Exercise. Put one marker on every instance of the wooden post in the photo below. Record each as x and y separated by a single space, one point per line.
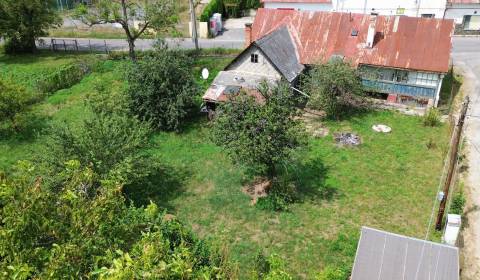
64 45
89 45
76 45
193 19
452 162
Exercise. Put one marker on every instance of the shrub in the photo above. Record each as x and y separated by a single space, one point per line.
14 100
214 6
331 273
458 203
64 77
432 117
334 87
162 88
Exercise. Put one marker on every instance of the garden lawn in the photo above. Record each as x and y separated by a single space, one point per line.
389 182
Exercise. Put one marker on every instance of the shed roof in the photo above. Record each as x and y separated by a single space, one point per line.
279 48
386 256
400 42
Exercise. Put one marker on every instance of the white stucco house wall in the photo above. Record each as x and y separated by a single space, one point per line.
414 8
465 13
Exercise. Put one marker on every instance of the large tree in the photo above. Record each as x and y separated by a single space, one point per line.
162 88
334 87
260 135
24 21
135 16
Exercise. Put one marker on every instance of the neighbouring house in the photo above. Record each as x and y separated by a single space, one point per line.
466 14
402 58
299 5
387 256
413 8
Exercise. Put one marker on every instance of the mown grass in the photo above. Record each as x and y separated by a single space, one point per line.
389 182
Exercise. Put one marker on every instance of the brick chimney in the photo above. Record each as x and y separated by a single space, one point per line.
248 34
371 31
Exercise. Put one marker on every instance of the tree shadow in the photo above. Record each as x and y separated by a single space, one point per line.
311 181
164 184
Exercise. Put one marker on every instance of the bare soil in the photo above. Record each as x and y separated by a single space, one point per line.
259 188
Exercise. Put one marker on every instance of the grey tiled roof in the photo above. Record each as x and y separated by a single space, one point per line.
386 256
281 51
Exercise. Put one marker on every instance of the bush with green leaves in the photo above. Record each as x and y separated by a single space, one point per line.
64 77
162 89
458 203
108 140
334 87
14 101
431 117
214 6
24 21
282 193
260 135
82 228
270 268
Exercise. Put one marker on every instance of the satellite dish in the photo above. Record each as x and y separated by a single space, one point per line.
205 73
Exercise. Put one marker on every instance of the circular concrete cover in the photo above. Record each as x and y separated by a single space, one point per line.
382 128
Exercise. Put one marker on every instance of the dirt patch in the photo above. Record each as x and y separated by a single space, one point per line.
313 123
259 188
168 217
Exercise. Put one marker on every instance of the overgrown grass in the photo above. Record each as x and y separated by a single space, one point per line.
389 182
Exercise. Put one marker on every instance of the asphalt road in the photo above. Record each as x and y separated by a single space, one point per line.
466 58
231 39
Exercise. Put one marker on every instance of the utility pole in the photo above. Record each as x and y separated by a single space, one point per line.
193 19
457 133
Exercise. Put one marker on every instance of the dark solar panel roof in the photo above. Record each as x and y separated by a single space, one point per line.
281 51
386 256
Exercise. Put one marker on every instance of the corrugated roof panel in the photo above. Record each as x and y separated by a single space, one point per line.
386 256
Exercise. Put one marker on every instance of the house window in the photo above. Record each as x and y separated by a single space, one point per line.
424 79
254 58
428 15
471 22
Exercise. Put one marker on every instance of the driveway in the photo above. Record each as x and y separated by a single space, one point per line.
466 57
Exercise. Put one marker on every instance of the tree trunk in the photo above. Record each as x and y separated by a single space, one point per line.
131 49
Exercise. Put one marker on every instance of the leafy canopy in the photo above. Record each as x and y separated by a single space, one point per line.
135 16
109 140
84 229
334 87
260 135
24 21
162 88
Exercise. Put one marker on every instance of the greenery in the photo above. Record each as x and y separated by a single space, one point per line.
162 88
155 15
214 6
64 77
260 136
14 100
431 117
24 21
81 229
458 203
334 87
338 189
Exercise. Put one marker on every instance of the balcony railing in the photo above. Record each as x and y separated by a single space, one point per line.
402 89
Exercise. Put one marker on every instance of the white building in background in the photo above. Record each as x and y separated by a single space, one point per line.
464 12
413 8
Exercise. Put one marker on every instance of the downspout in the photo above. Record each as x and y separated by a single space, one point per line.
365 7
418 7
437 97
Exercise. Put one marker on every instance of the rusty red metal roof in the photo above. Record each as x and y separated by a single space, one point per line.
298 1
400 42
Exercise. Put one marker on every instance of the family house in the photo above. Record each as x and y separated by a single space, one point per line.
412 8
402 58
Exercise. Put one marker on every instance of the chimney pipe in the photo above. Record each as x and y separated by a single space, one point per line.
248 34
371 31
